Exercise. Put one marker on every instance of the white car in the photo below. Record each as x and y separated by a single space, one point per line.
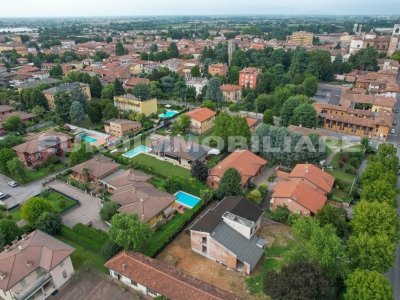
392 131
13 184
2 195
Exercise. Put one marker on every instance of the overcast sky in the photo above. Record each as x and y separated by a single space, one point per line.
55 8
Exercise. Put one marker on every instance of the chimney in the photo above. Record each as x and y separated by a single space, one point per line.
28 263
15 242
3 275
124 267
7 248
23 236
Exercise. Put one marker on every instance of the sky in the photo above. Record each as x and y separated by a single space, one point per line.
61 8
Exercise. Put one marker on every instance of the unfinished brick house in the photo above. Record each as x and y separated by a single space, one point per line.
226 234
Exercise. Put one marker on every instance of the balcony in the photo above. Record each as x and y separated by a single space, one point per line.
39 289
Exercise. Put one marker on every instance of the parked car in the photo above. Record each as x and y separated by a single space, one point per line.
13 184
394 122
396 110
2 195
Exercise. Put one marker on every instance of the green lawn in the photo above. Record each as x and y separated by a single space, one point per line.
271 261
84 257
32 175
163 168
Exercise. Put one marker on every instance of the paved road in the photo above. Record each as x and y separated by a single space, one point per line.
394 274
89 208
21 193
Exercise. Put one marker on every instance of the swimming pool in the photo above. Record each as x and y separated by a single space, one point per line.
136 151
186 199
168 114
88 139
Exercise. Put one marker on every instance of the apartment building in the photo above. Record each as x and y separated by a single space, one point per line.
231 92
129 102
67 88
121 127
218 70
248 78
301 38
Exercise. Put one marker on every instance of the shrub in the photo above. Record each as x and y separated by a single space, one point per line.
281 214
109 249
254 196
32 209
108 211
263 188
271 178
49 222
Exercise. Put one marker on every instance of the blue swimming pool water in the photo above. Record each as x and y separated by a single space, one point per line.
168 114
136 151
186 199
88 139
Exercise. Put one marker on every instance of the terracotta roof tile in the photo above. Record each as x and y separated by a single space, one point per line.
201 114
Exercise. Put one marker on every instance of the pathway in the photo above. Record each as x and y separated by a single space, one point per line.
87 212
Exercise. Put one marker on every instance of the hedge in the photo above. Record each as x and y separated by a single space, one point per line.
167 232
92 240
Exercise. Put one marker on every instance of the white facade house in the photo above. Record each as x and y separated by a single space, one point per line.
34 267
198 84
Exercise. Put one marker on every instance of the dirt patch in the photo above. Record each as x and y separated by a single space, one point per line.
276 234
178 254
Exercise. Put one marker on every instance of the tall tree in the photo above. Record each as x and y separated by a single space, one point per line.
230 184
335 216
305 115
56 71
129 232
110 112
375 218
34 207
95 111
118 88
95 87
8 232
371 252
301 280
364 284
119 49
76 113
62 102
319 245
213 90
142 91
199 170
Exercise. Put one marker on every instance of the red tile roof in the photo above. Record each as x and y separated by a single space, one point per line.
230 88
301 193
163 279
245 162
201 114
314 175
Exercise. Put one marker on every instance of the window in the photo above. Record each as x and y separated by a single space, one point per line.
64 274
151 292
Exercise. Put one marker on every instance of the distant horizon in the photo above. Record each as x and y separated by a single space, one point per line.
153 8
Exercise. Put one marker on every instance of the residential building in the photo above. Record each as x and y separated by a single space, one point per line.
179 151
67 88
303 191
352 121
36 151
253 123
248 78
301 38
129 102
197 83
5 110
218 70
248 164
134 81
155 279
231 92
94 169
120 127
34 267
201 120
226 233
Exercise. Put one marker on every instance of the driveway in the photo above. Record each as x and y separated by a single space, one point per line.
89 208
92 285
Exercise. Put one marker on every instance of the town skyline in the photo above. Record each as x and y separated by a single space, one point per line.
102 8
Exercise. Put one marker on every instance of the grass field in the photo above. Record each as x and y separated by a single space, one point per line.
84 257
161 167
32 175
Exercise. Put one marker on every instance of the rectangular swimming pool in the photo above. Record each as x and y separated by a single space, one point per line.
88 139
186 199
137 151
168 114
